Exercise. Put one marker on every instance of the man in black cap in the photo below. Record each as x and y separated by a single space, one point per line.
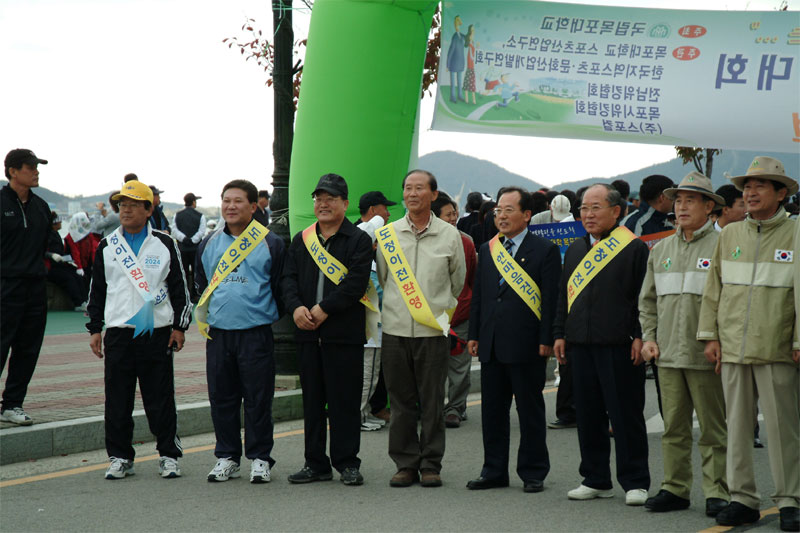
189 227
261 214
24 228
158 220
373 206
324 277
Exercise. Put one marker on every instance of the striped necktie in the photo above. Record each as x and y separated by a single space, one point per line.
508 244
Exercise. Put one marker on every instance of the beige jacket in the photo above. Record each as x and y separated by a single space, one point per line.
748 301
437 259
669 302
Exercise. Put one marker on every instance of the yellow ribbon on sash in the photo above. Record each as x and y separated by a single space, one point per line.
333 269
516 277
232 258
401 273
595 260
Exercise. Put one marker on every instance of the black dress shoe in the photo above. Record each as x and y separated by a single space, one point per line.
533 486
562 424
714 506
482 483
307 475
790 519
736 514
665 501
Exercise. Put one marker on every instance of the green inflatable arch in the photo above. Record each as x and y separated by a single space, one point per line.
361 88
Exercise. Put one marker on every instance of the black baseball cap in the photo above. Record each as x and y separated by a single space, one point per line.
333 184
19 156
156 190
190 198
368 199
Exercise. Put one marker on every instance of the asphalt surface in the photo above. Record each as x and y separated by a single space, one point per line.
70 494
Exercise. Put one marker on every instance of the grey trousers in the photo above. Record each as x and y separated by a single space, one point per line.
458 381
415 370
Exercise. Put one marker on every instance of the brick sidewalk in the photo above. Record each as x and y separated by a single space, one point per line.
68 382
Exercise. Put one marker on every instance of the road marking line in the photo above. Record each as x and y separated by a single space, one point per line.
196 449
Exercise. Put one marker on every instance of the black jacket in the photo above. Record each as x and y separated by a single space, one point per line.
24 232
499 318
347 320
158 220
607 311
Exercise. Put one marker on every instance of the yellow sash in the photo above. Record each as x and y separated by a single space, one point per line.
232 258
333 269
400 272
515 276
595 260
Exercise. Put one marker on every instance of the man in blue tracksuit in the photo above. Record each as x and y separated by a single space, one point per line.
240 353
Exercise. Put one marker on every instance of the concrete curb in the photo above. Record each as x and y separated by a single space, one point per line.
74 436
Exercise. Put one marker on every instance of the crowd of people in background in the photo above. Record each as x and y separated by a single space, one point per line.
389 315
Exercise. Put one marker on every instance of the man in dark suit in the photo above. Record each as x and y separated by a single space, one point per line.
513 342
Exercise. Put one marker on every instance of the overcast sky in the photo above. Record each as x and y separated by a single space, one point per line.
106 87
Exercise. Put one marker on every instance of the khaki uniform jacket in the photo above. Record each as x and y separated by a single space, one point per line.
437 259
669 303
748 301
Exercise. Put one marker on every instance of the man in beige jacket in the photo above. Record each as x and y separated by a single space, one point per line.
747 319
669 306
414 353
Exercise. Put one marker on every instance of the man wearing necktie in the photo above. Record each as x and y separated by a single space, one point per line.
513 344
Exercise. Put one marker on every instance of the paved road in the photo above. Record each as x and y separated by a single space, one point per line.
70 494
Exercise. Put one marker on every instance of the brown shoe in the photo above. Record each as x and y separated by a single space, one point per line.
405 477
452 420
430 478
383 414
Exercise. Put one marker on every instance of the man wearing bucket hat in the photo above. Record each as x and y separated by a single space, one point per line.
24 228
746 320
669 305
139 294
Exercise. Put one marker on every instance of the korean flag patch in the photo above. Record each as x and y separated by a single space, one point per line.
783 256
703 264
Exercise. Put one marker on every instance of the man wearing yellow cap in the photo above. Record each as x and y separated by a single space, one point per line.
747 320
139 293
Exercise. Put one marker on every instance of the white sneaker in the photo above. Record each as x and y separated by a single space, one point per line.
82 307
369 426
587 493
259 472
119 468
375 420
635 497
168 467
224 470
16 416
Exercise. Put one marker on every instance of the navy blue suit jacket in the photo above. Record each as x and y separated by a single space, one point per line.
499 318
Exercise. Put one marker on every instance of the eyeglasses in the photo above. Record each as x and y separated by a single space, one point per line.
594 209
326 199
504 211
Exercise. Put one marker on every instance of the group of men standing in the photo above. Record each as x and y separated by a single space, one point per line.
611 306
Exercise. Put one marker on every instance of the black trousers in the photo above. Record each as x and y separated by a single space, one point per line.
608 386
66 278
380 398
240 365
332 374
565 403
148 359
524 382
23 316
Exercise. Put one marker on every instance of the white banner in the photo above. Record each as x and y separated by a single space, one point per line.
718 79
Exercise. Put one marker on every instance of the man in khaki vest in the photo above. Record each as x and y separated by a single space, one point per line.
747 318
669 305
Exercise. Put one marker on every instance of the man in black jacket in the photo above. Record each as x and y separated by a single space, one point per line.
324 302
189 227
600 336
24 227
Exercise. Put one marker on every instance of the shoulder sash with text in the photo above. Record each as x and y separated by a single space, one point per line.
595 260
516 277
400 272
236 253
